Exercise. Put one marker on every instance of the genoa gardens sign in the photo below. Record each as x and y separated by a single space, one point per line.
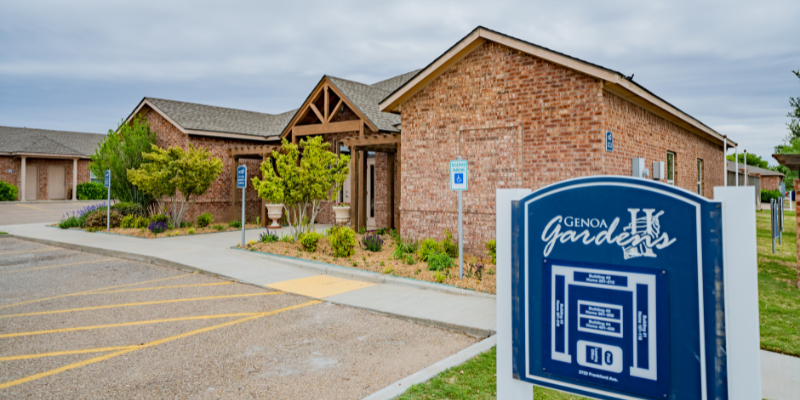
618 290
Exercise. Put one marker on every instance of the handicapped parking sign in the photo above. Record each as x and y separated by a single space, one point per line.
241 177
458 175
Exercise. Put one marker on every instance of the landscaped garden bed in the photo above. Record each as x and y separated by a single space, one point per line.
386 253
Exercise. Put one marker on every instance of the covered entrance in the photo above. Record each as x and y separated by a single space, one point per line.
261 153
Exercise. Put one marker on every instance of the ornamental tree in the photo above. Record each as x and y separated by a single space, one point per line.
306 186
176 178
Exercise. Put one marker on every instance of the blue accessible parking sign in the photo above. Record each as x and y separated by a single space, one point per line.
241 177
615 298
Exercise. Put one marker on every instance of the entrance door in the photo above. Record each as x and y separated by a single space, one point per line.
56 182
31 182
371 192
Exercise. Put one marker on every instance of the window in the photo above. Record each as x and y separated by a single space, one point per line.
93 178
699 176
670 168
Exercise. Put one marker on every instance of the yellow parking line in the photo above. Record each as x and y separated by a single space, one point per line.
155 321
54 266
144 303
91 290
35 208
146 345
66 353
319 286
27 251
159 287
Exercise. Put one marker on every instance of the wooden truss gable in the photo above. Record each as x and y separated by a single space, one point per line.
326 110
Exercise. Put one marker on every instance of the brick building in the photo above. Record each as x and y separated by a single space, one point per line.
45 164
520 114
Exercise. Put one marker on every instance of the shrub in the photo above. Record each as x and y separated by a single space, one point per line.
141 223
767 195
69 222
382 231
387 270
97 219
403 247
128 221
492 247
428 247
449 245
409 259
157 227
187 224
126 208
440 277
343 241
477 270
235 224
219 227
287 239
91 191
439 261
204 220
372 243
268 237
309 241
8 192
190 231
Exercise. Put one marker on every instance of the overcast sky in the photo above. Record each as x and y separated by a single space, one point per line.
85 65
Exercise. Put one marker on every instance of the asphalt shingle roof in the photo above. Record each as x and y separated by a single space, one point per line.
15 140
220 119
753 169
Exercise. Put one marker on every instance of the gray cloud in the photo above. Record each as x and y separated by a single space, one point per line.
84 65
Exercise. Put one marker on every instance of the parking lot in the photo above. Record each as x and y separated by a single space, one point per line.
78 325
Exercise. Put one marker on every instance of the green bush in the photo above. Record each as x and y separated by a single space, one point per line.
767 195
91 191
428 247
440 277
235 224
8 192
187 224
309 241
70 222
492 247
126 208
402 247
219 227
439 261
97 219
128 221
159 218
287 239
343 241
141 223
449 244
204 220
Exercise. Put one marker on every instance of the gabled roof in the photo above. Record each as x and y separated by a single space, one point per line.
24 141
201 119
753 169
615 82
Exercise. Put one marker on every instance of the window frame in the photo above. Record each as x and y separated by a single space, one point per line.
670 168
700 175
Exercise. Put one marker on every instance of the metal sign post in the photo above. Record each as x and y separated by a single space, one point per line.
624 299
107 183
241 182
459 176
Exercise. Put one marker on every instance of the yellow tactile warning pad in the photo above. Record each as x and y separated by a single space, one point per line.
319 286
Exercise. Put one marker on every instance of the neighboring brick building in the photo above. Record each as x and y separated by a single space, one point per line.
45 164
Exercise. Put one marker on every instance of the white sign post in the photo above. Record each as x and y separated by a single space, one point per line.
241 182
459 176
107 182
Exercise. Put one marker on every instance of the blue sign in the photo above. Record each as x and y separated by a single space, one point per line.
241 177
609 141
615 299
107 178
459 174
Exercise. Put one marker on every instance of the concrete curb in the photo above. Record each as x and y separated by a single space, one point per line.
398 388
367 276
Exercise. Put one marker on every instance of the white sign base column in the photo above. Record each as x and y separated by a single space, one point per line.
508 388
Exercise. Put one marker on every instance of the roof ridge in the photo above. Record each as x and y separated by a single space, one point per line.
360 83
208 105
49 130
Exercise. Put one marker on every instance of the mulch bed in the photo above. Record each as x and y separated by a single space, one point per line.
147 234
371 261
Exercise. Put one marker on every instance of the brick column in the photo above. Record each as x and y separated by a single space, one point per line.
797 226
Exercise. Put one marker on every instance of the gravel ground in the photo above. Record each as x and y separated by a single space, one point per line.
318 351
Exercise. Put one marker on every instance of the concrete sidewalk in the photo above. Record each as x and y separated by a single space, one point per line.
424 302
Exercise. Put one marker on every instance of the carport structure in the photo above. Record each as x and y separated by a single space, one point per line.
255 152
792 161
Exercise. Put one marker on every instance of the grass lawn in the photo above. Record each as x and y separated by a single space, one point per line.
778 302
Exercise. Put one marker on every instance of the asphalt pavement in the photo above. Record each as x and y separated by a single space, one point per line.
79 325
15 212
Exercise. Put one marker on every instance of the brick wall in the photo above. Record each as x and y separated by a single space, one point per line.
640 133
771 182
524 122
14 164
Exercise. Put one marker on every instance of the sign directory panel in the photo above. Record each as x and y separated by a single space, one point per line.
615 298
107 178
609 141
241 177
459 175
